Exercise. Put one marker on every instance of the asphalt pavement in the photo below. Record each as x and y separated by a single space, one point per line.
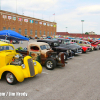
78 80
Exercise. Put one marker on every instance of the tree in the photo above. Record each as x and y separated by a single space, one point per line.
87 33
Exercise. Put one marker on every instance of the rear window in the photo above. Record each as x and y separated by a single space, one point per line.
34 48
80 42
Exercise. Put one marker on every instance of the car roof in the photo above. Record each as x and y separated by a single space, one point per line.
4 43
39 43
62 39
49 40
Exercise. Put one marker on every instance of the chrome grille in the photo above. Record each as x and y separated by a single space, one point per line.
69 51
31 67
77 50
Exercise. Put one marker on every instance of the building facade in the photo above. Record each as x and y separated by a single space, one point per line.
77 35
26 26
91 33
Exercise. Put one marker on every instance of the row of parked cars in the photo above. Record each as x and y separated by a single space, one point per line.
16 65
55 52
10 41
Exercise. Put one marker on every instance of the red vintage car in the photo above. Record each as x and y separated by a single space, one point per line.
96 44
84 48
93 44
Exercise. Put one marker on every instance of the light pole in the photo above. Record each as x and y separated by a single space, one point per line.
0 4
66 29
82 27
16 6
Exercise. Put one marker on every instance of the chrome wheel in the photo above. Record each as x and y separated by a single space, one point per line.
9 77
49 64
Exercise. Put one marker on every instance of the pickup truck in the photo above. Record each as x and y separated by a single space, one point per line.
42 53
54 44
14 67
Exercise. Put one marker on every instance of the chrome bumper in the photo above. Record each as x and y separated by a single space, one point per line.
78 52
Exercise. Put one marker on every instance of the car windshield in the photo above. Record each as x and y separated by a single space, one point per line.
47 46
6 48
67 42
75 43
88 42
43 47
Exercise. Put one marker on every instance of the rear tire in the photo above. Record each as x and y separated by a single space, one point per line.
50 64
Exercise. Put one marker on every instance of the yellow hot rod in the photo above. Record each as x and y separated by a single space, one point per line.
14 67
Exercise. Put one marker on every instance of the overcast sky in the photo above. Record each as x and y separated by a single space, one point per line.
68 13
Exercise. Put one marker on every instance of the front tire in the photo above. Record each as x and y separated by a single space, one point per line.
83 51
10 78
50 64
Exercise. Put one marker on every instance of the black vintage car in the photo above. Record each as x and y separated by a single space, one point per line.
75 48
54 44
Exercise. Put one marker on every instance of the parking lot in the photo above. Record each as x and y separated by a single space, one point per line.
78 80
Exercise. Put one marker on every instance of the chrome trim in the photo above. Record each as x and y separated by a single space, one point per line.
31 67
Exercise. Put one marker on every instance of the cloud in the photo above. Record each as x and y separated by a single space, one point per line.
28 5
92 9
68 13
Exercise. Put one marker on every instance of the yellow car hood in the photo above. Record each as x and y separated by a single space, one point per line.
7 56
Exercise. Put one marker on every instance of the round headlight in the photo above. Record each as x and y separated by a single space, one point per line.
34 63
23 66
67 51
56 56
59 59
